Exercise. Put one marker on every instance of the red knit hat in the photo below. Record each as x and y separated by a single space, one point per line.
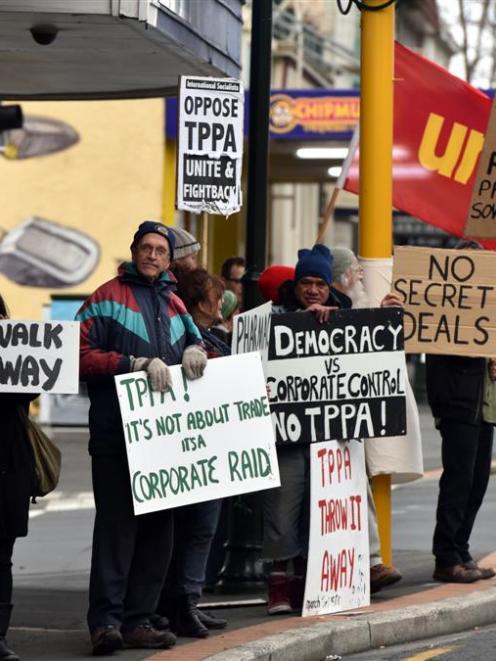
272 278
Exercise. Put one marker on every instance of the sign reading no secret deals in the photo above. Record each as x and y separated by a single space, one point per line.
210 145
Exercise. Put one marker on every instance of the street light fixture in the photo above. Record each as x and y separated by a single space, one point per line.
321 152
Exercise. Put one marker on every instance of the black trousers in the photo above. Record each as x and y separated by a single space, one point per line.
466 457
131 554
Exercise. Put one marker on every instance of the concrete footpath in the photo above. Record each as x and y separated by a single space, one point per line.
416 610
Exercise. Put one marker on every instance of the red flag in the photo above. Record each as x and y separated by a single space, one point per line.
439 127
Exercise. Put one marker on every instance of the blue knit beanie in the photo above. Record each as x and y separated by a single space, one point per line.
316 262
154 227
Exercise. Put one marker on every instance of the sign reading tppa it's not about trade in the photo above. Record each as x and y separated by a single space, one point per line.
449 298
210 145
199 440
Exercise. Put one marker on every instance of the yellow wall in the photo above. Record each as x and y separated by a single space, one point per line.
104 185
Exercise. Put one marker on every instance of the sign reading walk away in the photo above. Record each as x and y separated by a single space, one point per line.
39 357
210 145
450 300
199 440
338 574
337 380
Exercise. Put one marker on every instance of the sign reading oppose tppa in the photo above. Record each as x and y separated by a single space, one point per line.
338 380
199 440
210 145
450 300
39 357
338 575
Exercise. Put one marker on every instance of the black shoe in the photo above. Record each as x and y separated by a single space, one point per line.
160 622
105 640
210 621
6 654
188 622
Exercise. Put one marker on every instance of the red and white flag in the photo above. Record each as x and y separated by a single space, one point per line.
439 126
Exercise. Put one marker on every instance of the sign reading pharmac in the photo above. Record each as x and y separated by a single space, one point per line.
39 357
199 440
210 149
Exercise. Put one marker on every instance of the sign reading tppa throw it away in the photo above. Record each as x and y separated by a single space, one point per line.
199 440
449 297
39 357
338 574
341 379
210 145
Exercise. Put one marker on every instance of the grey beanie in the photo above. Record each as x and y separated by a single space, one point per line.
186 244
343 259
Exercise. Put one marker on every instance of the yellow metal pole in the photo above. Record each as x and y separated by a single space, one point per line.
169 182
375 201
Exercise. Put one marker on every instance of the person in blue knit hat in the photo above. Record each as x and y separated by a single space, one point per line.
286 510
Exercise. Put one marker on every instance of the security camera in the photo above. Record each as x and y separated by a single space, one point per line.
44 34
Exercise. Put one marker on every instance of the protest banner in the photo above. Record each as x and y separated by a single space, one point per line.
210 145
338 571
449 298
39 356
337 380
481 218
251 331
199 440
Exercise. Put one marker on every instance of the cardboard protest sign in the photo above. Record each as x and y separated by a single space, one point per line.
251 331
338 573
39 357
199 440
210 145
450 300
341 379
481 218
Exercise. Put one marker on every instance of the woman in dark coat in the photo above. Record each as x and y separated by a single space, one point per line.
16 488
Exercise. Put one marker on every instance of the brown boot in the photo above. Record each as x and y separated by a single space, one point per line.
144 636
456 574
383 575
278 598
486 572
105 640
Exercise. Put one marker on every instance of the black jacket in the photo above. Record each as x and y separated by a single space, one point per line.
16 467
455 387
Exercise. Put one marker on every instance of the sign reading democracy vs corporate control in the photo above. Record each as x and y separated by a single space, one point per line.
199 440
338 380
210 145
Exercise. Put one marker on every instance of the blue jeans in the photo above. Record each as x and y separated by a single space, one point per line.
194 530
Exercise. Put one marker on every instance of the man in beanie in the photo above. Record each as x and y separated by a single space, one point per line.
348 278
132 323
286 510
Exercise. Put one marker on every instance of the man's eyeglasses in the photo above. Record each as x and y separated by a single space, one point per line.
147 249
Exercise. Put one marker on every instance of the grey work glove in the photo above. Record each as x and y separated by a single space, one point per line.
157 370
194 362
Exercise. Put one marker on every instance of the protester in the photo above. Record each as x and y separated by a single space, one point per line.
195 524
185 251
462 396
232 272
348 278
272 278
131 323
286 510
17 480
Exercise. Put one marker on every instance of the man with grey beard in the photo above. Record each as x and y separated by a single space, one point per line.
348 279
